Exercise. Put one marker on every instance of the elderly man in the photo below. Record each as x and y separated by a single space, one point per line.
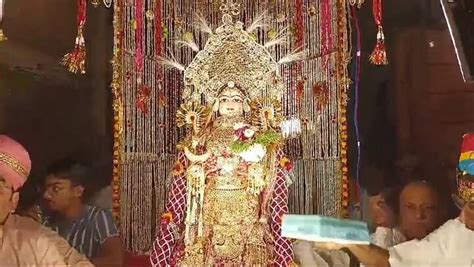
24 242
419 214
450 245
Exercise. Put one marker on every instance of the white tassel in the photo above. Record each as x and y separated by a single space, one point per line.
257 22
278 39
188 40
171 63
291 127
275 42
190 44
202 24
292 57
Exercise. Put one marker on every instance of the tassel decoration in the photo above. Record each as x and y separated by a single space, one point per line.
202 24
292 57
171 63
75 61
300 90
278 39
2 8
258 22
379 55
143 99
2 36
291 128
188 41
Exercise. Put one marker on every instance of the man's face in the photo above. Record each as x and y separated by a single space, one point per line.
8 199
231 103
419 210
60 193
382 215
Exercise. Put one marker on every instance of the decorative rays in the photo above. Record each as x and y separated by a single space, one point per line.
202 24
193 116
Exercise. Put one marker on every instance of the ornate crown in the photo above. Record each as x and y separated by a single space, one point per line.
232 55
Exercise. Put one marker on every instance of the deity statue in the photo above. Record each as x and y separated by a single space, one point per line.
230 181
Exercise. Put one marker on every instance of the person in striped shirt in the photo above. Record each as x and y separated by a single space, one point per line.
89 229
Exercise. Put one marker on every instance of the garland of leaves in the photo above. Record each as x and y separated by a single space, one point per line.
265 139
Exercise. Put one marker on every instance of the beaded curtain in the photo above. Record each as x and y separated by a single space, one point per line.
146 98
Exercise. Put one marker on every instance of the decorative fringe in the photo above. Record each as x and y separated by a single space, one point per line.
300 90
257 22
2 36
292 57
75 61
2 8
171 63
188 40
379 55
279 38
291 127
143 99
202 24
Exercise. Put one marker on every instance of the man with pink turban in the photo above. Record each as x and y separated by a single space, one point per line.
24 242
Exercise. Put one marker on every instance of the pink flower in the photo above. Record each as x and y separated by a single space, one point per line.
240 133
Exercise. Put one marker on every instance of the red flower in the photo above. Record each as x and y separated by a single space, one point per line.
143 99
166 218
239 133
178 169
286 164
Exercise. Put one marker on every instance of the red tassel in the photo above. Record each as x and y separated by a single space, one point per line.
300 90
143 99
75 61
379 55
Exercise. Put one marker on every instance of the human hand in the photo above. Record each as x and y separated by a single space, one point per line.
328 246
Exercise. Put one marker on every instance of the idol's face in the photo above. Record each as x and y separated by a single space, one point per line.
231 103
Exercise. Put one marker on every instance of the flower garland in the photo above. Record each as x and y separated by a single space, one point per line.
250 145
343 84
246 137
117 108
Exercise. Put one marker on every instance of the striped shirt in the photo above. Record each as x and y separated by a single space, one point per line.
88 233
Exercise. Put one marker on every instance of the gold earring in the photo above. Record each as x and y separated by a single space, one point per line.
246 105
215 107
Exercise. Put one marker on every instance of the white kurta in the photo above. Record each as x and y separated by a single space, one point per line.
387 237
450 245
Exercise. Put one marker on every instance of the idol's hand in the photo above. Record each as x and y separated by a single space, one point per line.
467 215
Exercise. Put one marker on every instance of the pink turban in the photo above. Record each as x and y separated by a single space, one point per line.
15 163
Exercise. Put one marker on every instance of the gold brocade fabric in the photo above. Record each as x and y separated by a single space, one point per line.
24 242
233 233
